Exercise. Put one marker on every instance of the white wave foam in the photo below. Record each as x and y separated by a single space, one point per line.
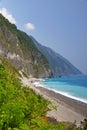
64 94
70 96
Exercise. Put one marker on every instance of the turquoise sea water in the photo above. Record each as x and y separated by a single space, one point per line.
71 86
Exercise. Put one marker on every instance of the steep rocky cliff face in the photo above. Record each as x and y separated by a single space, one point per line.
59 65
21 52
26 54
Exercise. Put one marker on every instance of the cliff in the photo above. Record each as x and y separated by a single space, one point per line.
21 52
27 55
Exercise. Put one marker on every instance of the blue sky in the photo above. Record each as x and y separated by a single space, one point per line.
58 24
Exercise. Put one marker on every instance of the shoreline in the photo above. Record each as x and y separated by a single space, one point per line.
68 109
76 105
84 101
65 94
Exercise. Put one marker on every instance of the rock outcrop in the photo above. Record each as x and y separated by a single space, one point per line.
21 52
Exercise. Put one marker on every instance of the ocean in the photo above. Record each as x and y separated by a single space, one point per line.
74 87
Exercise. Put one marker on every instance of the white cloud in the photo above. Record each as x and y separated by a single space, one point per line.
29 26
8 15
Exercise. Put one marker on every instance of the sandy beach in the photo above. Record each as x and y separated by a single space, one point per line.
67 109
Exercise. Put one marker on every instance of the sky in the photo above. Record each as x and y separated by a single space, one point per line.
58 24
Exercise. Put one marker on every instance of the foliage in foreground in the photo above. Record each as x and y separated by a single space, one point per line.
22 109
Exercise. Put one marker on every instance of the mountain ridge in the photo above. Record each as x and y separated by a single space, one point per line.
27 55
21 52
59 65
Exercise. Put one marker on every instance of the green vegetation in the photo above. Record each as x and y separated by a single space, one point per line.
39 61
22 109
8 67
17 42
5 22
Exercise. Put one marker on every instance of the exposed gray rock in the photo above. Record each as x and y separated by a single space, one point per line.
21 52
25 53
0 62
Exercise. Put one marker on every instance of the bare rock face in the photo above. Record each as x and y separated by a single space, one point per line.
0 62
26 54
21 52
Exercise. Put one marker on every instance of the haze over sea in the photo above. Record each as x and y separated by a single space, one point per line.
74 87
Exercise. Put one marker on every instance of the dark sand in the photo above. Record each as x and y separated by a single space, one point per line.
75 105
67 109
